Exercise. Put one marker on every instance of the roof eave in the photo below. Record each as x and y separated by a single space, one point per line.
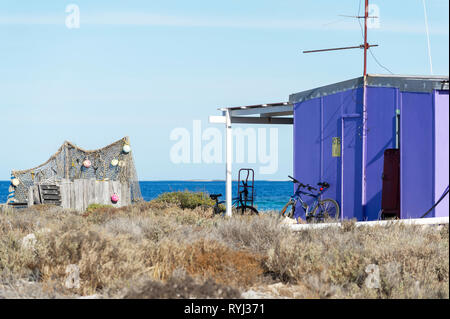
408 83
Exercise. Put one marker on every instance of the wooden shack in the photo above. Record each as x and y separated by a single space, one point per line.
80 193
74 178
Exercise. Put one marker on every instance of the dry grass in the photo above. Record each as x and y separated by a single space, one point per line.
412 261
140 252
181 286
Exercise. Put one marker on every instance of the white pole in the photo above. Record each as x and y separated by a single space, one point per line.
229 158
364 149
428 36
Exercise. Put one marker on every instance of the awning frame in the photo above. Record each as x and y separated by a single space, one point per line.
273 113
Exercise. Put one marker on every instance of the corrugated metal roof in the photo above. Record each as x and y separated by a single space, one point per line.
402 82
271 113
257 106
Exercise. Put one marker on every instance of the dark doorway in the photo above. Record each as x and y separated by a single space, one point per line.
390 196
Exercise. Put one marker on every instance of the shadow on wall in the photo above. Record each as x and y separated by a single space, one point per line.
373 207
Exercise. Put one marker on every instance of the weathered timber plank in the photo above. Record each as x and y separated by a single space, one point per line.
30 197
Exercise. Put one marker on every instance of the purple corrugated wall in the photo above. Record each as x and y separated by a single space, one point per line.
416 154
424 146
441 168
307 146
381 107
332 127
316 122
352 139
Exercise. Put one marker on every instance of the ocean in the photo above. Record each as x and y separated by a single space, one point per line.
268 194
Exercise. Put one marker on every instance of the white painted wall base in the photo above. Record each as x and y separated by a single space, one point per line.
421 221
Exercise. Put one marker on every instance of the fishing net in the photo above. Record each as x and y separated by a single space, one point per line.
110 163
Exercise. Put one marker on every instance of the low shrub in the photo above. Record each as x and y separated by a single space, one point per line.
186 199
182 287
94 207
412 262
206 258
141 246
98 213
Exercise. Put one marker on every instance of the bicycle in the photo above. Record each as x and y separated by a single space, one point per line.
319 210
239 203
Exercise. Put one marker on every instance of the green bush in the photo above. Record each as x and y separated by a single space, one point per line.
186 199
94 207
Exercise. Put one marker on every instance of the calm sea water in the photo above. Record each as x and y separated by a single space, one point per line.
268 194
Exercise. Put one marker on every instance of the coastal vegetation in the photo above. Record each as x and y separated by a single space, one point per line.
173 247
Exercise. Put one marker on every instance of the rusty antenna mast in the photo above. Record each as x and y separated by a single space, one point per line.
364 46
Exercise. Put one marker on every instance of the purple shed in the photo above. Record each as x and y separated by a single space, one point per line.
341 132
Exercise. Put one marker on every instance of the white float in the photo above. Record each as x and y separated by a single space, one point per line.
126 149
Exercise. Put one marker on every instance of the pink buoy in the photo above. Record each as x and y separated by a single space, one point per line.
114 198
87 163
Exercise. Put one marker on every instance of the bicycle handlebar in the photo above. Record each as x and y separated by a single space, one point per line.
294 180
309 187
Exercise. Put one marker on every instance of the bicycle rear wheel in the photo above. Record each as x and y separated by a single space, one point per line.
218 210
327 209
246 210
288 210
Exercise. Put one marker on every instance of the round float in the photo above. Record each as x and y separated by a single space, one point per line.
87 163
114 198
126 149
114 162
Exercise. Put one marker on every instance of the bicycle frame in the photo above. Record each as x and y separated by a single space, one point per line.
236 200
297 197
315 209
241 203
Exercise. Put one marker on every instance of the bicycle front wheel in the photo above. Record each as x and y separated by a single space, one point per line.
327 209
246 210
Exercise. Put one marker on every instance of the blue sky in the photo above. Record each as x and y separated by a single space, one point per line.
144 68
